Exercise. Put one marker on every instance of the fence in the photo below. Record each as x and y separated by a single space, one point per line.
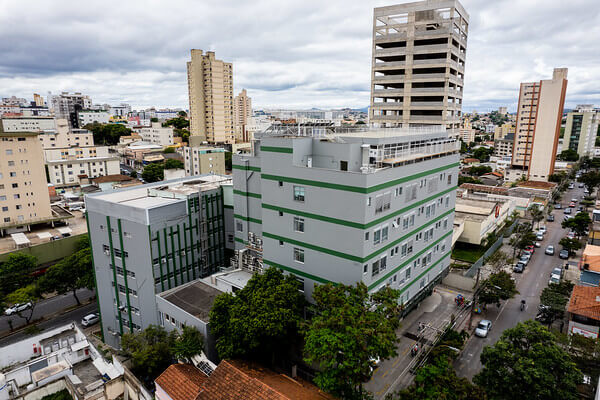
477 264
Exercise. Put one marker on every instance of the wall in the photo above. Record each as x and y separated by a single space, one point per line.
51 251
38 394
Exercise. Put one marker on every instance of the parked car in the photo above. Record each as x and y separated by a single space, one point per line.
557 271
571 185
571 204
586 191
539 236
571 235
530 248
567 211
550 218
557 206
90 319
17 308
554 279
524 260
542 229
549 250
574 200
538 244
519 267
564 254
483 328
581 185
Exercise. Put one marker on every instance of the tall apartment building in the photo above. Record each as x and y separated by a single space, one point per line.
581 130
418 64
201 160
210 87
28 124
242 116
24 198
67 165
67 105
539 116
38 100
174 231
62 136
374 206
502 131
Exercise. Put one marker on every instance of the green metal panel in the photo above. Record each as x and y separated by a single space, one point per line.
125 275
112 262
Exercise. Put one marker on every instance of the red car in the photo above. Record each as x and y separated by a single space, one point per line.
530 248
571 204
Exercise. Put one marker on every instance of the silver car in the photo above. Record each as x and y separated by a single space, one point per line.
483 328
550 250
90 319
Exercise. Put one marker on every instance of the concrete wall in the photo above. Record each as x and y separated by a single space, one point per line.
51 251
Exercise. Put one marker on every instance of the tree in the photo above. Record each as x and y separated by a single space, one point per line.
571 245
557 177
169 150
483 153
177 123
16 271
479 170
522 238
150 351
537 214
133 174
467 179
153 119
528 363
173 164
554 299
70 274
579 223
153 172
497 260
569 155
228 160
260 321
349 330
591 180
107 134
188 344
498 286
182 114
28 294
438 380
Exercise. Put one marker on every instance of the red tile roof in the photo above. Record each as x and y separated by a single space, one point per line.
585 300
470 160
181 381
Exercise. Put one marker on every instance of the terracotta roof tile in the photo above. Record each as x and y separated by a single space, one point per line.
585 300
181 381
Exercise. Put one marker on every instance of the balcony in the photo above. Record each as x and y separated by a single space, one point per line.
380 105
425 118
388 92
437 61
390 37
398 51
427 77
385 65
389 78
431 48
395 118
425 104
436 90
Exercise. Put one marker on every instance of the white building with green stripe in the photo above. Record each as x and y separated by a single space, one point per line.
151 238
375 206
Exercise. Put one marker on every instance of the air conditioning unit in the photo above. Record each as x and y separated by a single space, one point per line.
395 224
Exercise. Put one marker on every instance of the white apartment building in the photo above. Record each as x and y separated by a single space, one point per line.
28 124
89 117
67 165
156 134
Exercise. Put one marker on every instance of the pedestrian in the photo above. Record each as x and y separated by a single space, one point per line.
562 325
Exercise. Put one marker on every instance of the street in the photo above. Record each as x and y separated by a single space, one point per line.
529 284
46 307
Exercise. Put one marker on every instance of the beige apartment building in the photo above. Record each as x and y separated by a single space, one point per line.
62 136
500 132
539 116
242 116
66 166
581 130
210 87
204 160
24 198
418 64
28 124
38 100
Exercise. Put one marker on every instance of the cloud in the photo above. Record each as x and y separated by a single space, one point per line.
287 54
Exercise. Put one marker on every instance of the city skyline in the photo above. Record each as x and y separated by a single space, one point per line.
113 57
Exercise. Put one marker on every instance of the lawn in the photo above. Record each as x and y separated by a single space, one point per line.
467 252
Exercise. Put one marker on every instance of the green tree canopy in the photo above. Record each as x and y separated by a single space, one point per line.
350 330
579 223
554 298
480 170
483 153
16 271
169 150
497 287
572 245
467 179
569 155
182 114
188 344
107 134
260 321
27 294
150 351
173 164
527 363
153 172
537 213
177 123
591 179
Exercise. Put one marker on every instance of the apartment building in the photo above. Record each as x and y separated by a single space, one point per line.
38 100
418 64
67 105
242 116
67 165
174 231
581 130
24 198
373 206
500 132
204 160
210 86
28 124
90 116
539 117
503 147
156 134
62 136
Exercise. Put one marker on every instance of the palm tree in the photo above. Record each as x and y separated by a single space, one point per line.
536 214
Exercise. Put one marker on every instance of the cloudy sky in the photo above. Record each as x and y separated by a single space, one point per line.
288 54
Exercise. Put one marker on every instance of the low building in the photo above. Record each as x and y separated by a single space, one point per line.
590 265
138 154
523 197
481 217
62 136
156 134
67 165
204 160
109 182
92 116
584 311
492 179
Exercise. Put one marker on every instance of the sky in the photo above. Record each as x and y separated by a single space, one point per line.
287 54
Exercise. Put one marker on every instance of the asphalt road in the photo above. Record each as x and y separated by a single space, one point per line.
46 307
529 284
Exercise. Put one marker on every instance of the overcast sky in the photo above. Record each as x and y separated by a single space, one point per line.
288 54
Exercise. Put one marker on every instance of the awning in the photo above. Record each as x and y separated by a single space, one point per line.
64 230
20 238
44 235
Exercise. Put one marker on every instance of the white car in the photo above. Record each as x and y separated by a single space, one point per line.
555 279
17 308
542 230
483 328
90 319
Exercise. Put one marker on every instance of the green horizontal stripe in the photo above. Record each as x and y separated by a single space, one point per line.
410 261
352 224
247 194
274 149
256 221
357 189
237 239
246 167
350 256
298 272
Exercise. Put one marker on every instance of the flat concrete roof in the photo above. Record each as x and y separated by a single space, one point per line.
195 298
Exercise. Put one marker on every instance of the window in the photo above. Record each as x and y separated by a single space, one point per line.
447 201
446 223
11 163
384 233
299 193
404 249
300 284
281 242
13 174
408 273
366 235
5 208
298 255
15 185
369 201
365 268
281 213
9 152
383 263
449 179
405 223
280 184
375 268
299 224
239 226
377 236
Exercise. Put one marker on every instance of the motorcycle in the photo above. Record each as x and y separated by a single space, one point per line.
414 350
522 305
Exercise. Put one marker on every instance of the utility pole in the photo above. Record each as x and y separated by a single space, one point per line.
474 298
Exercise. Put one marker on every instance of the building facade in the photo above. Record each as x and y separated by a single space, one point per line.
210 87
204 160
581 130
500 132
503 147
28 124
62 136
67 165
156 134
375 207
242 116
66 106
89 117
539 117
418 64
174 232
